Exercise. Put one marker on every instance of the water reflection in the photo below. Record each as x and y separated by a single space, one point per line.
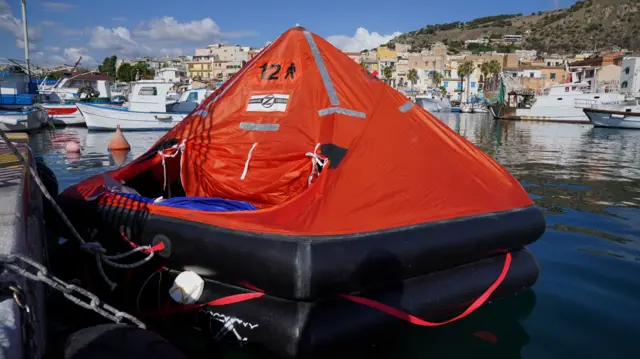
586 179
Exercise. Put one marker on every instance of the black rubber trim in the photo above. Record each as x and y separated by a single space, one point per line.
307 267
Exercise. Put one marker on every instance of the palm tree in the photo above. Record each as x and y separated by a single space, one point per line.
437 78
491 67
464 70
412 76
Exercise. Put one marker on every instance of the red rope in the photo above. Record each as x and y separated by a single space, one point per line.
417 321
238 298
231 299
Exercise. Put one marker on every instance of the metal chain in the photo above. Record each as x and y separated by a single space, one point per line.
94 248
75 294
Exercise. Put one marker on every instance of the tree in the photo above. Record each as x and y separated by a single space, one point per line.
82 70
108 67
437 78
464 70
387 72
363 65
412 75
125 73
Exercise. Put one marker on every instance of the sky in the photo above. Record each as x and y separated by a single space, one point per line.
61 31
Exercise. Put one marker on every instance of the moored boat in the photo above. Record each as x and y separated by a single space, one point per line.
22 120
59 100
148 109
17 110
556 103
291 202
622 115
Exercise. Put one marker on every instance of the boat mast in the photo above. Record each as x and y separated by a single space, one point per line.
26 37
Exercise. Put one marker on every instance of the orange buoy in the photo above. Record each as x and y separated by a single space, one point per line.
118 142
119 156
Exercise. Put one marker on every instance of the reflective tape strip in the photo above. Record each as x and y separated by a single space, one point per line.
406 107
331 91
202 113
342 111
250 126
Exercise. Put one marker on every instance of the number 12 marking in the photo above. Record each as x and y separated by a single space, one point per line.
272 76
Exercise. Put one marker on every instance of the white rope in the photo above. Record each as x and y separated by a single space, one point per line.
179 149
316 161
246 164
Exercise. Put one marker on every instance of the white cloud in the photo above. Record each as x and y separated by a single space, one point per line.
12 24
168 29
57 6
57 60
48 23
52 48
117 39
71 55
362 39
171 52
20 45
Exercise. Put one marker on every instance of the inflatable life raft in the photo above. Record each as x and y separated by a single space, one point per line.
318 204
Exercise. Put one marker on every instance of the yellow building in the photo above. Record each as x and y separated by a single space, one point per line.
199 69
386 53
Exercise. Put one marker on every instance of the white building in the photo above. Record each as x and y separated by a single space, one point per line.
171 74
630 75
223 53
481 41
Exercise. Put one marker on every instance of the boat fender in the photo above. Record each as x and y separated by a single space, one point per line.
161 238
163 117
187 288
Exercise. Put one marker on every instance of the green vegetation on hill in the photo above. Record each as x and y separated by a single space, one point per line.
584 26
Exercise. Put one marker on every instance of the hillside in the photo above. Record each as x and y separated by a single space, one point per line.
583 26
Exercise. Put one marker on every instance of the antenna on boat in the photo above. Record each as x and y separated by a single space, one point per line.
26 37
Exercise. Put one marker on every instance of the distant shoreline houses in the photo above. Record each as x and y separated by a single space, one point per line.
429 71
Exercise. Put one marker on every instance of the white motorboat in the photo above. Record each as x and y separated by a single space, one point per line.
148 108
480 107
466 108
433 103
557 103
21 120
59 100
619 115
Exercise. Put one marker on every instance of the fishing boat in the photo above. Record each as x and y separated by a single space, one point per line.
620 115
148 108
295 209
17 110
60 99
555 103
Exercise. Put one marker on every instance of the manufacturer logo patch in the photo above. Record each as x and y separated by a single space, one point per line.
268 103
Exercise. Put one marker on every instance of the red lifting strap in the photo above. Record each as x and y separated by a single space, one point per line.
417 321
237 298
231 299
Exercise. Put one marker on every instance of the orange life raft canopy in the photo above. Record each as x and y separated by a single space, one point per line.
343 169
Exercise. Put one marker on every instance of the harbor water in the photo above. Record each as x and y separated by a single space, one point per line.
586 303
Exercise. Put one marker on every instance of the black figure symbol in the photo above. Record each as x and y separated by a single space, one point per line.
291 71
